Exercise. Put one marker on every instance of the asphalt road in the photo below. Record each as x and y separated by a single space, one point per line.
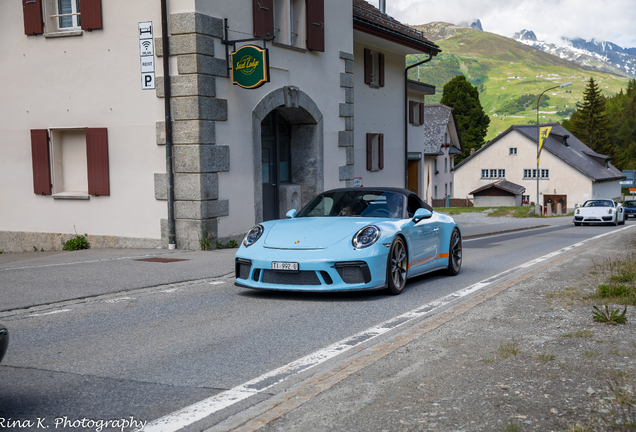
144 353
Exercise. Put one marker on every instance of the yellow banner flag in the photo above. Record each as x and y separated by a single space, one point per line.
543 135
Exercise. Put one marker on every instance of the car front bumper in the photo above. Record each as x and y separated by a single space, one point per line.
595 219
318 269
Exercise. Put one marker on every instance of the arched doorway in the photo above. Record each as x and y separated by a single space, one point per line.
287 130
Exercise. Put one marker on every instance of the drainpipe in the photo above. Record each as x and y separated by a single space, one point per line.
406 117
167 97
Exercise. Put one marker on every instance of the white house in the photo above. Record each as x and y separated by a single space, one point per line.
86 143
569 171
441 144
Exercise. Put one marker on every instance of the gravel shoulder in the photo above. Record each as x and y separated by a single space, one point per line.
528 359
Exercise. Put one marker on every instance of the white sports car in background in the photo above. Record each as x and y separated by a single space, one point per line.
605 211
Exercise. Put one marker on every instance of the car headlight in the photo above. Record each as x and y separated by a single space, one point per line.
253 235
609 211
366 237
578 211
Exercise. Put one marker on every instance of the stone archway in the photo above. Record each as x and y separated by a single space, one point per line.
307 160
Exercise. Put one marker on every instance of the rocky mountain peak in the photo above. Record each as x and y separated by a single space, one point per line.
474 24
525 35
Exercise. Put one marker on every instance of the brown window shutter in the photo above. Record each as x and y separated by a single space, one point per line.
381 151
369 152
411 112
421 113
41 161
263 17
367 66
315 25
91 14
381 70
97 161
32 11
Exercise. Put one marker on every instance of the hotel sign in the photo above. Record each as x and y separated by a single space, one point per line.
250 66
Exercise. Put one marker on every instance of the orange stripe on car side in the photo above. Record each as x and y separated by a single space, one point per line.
427 259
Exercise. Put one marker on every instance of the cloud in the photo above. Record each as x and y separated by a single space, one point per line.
608 20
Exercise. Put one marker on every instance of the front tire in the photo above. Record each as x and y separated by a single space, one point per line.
577 223
396 267
454 254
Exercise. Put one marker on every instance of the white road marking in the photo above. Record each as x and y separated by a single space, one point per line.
171 290
120 299
195 412
48 313
217 282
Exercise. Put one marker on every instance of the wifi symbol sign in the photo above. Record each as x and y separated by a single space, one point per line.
146 47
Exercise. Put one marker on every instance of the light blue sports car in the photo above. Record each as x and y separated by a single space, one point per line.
350 239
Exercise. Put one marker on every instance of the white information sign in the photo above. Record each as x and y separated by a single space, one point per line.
147 55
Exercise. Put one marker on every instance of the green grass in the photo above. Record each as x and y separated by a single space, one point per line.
619 285
504 70
516 212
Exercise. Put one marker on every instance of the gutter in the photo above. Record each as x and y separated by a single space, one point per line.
167 97
406 117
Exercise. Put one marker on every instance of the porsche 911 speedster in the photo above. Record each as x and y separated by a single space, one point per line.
350 239
604 211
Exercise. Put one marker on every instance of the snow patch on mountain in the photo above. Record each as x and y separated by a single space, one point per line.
601 55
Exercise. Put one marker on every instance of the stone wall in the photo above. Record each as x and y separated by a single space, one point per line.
345 137
195 110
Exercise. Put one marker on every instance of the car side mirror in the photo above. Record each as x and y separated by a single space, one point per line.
291 214
421 213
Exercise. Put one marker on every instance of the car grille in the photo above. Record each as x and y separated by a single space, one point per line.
353 272
578 218
242 268
607 218
290 278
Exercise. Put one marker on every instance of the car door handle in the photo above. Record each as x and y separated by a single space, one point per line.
435 230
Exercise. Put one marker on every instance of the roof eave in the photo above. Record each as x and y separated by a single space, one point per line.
395 37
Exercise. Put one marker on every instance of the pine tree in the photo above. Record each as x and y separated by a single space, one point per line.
472 122
590 123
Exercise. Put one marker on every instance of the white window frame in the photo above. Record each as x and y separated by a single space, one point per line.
52 17
513 151
290 23
68 163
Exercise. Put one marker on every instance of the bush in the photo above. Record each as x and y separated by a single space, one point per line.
76 243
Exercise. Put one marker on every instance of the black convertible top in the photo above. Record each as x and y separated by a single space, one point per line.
407 193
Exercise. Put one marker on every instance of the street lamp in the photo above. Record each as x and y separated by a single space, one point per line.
537 206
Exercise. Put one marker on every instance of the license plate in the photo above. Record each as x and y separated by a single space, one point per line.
290 266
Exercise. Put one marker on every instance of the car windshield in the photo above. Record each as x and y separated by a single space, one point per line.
631 204
598 203
379 204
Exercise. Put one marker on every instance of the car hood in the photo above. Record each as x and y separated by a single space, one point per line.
313 232
596 211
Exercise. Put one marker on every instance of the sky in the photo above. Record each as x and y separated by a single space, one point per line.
604 20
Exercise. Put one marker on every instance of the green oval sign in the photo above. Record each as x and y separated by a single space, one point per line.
250 67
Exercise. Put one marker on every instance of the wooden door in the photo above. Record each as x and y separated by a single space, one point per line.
413 175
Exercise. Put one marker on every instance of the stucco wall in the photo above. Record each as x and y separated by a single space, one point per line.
314 73
610 190
497 201
563 179
92 80
380 110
